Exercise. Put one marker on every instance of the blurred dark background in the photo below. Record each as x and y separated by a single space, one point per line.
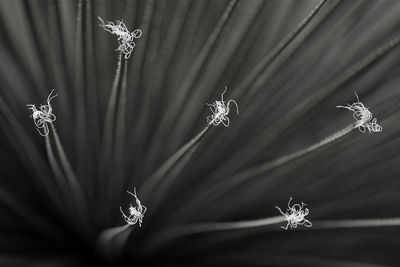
287 64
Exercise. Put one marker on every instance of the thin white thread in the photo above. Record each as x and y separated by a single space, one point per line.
295 215
363 117
43 115
136 213
125 38
220 111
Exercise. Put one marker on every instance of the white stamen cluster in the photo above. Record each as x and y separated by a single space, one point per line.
363 117
294 215
43 115
220 111
125 38
136 213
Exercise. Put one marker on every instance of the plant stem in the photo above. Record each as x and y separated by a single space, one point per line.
179 231
72 179
218 189
107 246
356 223
155 178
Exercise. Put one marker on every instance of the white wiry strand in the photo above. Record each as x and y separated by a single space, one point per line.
136 213
220 111
363 117
125 37
43 115
295 215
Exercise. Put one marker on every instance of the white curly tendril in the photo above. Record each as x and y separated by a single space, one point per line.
220 111
136 213
125 38
43 115
363 117
294 215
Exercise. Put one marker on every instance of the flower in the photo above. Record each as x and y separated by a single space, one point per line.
43 115
363 117
295 215
220 111
136 213
125 38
